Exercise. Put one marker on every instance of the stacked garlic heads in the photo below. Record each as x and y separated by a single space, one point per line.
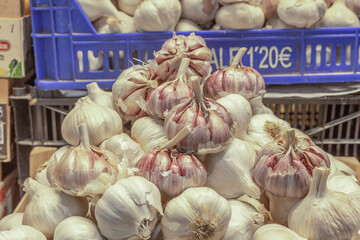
178 47
212 126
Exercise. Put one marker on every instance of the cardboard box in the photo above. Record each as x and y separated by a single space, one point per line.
6 148
16 57
14 8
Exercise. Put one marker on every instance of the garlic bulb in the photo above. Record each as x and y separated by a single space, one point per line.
186 25
130 87
254 2
95 63
280 207
48 207
270 8
345 184
318 53
174 49
245 220
102 122
41 174
284 167
229 171
171 171
77 228
129 6
157 15
22 232
199 11
169 94
237 79
197 213
275 232
99 96
122 23
265 128
84 170
337 167
149 133
55 157
338 15
96 8
354 5
124 148
257 106
325 214
129 209
211 125
301 13
240 16
10 221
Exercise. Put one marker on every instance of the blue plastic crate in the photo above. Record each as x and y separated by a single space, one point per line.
61 31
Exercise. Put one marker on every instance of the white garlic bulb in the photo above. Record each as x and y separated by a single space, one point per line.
245 220
124 147
10 221
149 133
129 209
257 106
186 25
129 6
199 11
22 233
99 96
41 174
337 167
197 213
84 170
265 128
157 15
338 15
254 2
77 228
325 214
276 232
55 157
95 63
345 184
48 207
301 13
229 171
240 16
102 122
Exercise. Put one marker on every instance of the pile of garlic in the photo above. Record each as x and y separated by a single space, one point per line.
177 153
126 16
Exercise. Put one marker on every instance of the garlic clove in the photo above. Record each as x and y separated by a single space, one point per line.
275 232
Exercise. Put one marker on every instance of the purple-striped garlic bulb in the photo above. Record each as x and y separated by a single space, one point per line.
167 95
284 167
237 79
179 47
132 87
212 127
170 170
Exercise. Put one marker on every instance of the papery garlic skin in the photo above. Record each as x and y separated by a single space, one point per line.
157 15
10 221
197 213
270 8
129 209
257 106
280 207
77 228
149 133
123 147
186 25
55 157
276 232
102 122
173 50
301 13
337 167
41 174
229 171
354 6
99 96
245 220
199 11
48 207
171 171
325 214
22 232
129 6
345 184
240 16
254 2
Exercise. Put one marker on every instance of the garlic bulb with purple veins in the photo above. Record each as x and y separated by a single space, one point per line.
237 79
178 47
132 86
284 167
212 126
171 171
84 170
169 94
323 213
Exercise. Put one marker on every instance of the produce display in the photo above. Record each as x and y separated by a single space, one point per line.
175 152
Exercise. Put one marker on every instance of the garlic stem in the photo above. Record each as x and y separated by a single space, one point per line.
196 88
178 137
184 64
290 138
84 136
318 185
93 88
238 57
